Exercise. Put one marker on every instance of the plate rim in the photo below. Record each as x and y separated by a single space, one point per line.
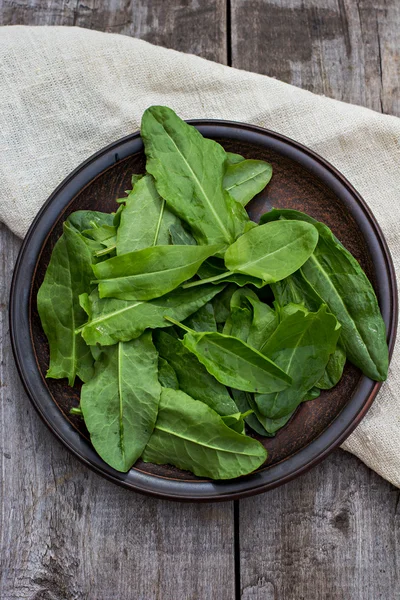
155 485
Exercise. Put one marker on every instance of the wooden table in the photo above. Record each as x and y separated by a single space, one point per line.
333 534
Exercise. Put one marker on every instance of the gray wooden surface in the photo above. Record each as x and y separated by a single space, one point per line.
66 534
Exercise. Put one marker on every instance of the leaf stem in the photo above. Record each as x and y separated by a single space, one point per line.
179 324
159 223
105 250
247 413
76 411
208 280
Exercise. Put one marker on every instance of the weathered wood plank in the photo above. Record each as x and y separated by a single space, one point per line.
194 26
68 534
345 49
332 534
65 532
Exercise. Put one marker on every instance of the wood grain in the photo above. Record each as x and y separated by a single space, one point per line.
67 534
344 49
194 26
332 534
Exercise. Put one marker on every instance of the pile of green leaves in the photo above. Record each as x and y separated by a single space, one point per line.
185 319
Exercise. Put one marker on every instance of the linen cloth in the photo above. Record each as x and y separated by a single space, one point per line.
67 92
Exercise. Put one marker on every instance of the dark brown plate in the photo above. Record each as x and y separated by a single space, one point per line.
301 180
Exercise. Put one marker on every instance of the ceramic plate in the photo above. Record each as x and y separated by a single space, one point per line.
301 180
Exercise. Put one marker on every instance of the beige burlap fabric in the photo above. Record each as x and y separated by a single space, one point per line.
67 92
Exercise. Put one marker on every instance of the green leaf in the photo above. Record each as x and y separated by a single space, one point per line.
118 215
294 290
245 179
192 376
238 323
119 410
112 320
314 393
234 363
214 269
150 272
242 401
106 236
97 229
301 345
235 422
258 319
166 374
203 319
101 233
191 436
272 251
88 220
290 309
233 159
272 426
96 351
334 369
196 381
179 234
338 278
85 303
258 422
188 170
67 276
221 303
136 178
146 220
